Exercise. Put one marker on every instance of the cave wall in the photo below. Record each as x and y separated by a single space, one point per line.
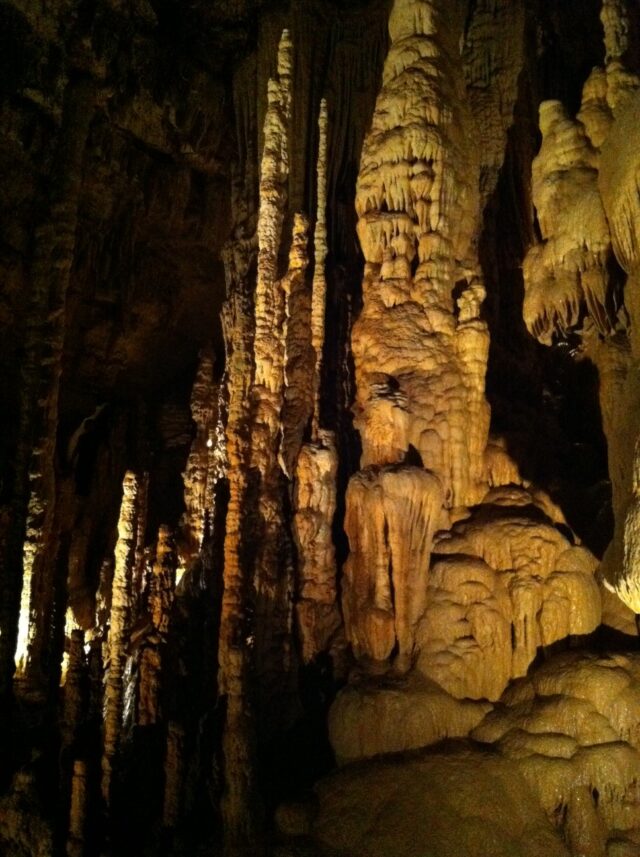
318 426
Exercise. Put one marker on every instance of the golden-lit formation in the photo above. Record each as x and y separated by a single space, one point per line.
320 525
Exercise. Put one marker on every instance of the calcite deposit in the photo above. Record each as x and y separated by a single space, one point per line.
319 428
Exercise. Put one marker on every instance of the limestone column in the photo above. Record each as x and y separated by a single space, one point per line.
315 486
29 546
159 604
419 345
119 622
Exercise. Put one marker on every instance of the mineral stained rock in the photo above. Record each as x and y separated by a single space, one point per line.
392 515
319 437
421 352
119 620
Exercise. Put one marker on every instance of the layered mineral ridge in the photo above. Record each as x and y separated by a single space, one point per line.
320 428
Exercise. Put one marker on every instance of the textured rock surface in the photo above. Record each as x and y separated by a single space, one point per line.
392 515
381 482
438 800
119 626
370 718
511 583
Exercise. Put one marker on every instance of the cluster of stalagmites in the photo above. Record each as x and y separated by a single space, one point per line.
112 675
139 605
553 769
506 581
459 572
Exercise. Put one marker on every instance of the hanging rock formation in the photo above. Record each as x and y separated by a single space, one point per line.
569 268
391 518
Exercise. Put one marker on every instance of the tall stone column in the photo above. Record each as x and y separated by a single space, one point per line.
30 543
419 344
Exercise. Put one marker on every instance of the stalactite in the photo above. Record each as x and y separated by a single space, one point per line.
34 492
392 515
77 811
118 628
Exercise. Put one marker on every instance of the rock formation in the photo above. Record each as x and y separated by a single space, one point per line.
119 625
319 449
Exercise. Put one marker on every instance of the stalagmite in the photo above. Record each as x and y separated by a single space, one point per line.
201 471
491 70
273 572
585 191
370 718
159 603
319 290
420 360
376 600
138 581
628 585
118 628
238 799
511 583
298 358
77 811
35 489
315 505
569 731
418 368
315 499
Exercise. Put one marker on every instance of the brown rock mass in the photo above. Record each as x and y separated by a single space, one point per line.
319 428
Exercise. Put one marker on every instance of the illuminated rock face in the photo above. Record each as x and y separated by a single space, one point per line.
565 736
585 180
419 345
119 626
511 583
392 515
388 202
